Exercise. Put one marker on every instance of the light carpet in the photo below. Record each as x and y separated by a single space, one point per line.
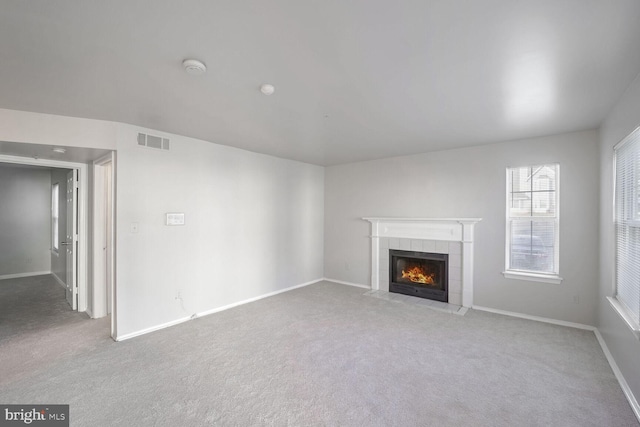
320 355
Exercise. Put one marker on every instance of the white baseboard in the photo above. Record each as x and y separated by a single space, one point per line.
616 371
535 318
59 280
614 366
151 329
18 275
342 282
212 311
270 294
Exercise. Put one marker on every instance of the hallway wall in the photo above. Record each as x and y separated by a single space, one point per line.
25 220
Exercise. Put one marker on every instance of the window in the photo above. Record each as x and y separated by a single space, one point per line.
627 228
532 223
55 189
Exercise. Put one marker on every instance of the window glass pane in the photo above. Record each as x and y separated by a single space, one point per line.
544 204
532 246
544 178
520 179
520 205
532 217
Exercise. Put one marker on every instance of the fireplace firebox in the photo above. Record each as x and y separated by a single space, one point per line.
419 274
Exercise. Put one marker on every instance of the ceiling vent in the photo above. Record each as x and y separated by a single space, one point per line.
153 141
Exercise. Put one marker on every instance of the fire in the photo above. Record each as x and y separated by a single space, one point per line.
416 275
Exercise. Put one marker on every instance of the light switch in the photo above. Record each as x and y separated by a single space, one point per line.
134 227
175 218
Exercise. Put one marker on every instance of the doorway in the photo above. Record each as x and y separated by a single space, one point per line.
84 286
104 238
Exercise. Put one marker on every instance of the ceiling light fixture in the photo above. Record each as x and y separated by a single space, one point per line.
194 67
60 150
267 89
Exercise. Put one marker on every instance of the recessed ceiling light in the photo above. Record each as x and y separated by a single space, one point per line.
60 150
193 66
267 89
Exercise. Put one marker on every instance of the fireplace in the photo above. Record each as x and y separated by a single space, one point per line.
419 274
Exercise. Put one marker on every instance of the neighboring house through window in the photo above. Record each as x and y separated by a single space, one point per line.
532 221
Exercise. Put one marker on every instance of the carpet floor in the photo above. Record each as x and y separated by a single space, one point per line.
322 355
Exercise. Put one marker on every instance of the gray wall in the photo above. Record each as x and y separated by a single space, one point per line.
59 260
471 183
624 347
254 225
25 220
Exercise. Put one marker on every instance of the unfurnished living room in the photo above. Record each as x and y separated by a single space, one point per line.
320 213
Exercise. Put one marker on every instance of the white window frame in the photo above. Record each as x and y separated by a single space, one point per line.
55 217
627 314
536 276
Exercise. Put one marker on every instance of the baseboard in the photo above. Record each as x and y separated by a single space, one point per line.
635 407
212 311
616 371
342 282
247 301
151 329
59 280
18 275
535 318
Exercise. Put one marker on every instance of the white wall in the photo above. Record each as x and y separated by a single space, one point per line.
25 220
624 347
47 129
59 259
254 225
470 182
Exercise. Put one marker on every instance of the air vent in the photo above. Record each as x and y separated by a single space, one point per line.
153 141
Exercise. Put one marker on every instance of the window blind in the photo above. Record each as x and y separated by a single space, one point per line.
627 224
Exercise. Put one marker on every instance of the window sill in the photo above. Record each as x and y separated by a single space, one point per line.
533 277
635 328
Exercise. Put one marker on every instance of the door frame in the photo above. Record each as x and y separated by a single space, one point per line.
83 215
71 219
99 303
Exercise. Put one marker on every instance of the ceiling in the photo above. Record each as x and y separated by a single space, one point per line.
355 80
45 152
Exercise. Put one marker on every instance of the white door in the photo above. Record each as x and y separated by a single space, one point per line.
72 239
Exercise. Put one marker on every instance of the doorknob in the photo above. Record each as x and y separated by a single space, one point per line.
66 243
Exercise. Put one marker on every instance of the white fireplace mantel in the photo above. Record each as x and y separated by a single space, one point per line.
438 229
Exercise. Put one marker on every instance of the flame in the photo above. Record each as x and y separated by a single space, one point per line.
416 275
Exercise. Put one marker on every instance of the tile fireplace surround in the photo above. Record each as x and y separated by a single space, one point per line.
453 236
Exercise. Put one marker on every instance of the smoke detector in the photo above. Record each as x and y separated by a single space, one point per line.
267 89
194 67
